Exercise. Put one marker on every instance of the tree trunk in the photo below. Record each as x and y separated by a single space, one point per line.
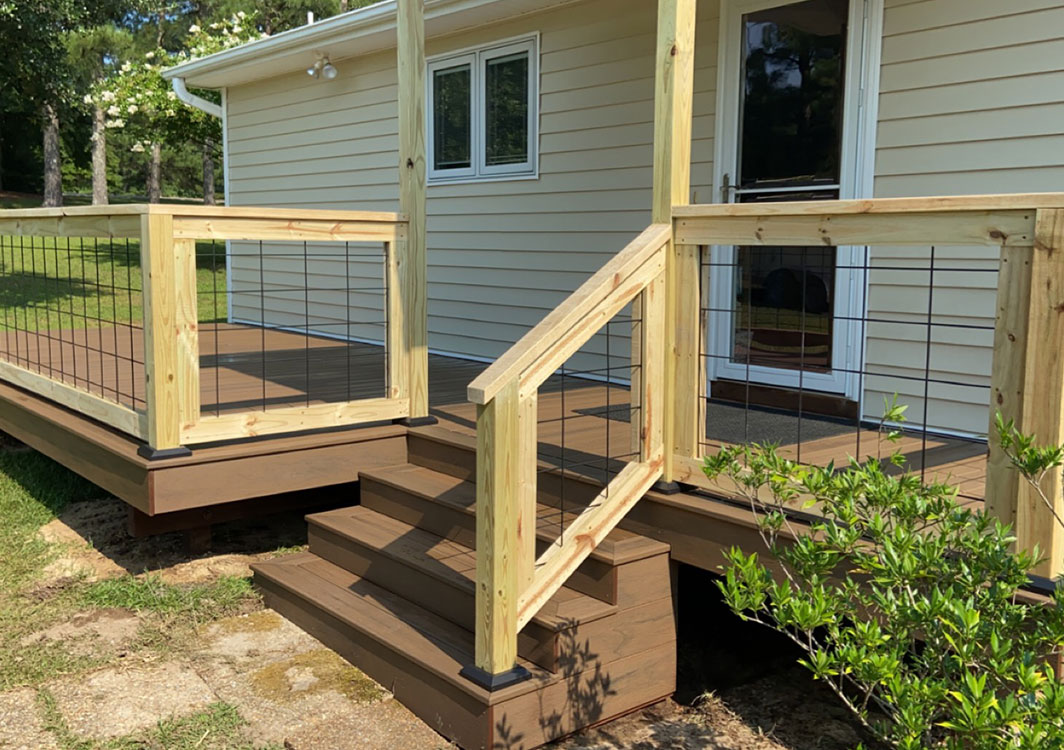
208 173
99 158
154 170
1 151
343 6
53 176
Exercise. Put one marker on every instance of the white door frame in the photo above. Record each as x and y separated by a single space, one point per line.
861 96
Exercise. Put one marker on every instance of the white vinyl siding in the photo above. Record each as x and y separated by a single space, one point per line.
971 101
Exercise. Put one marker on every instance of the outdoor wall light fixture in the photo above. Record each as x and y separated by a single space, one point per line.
322 68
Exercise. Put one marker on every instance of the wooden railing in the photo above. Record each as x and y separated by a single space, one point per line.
1027 370
662 271
512 585
168 417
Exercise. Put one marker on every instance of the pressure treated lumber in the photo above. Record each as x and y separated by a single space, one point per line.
161 361
1043 394
413 257
568 324
711 225
673 105
498 476
1008 371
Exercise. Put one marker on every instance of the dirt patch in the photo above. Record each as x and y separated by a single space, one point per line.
294 701
94 543
20 724
112 702
258 637
794 708
84 632
670 726
317 671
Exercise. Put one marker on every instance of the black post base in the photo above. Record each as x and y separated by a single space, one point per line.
146 451
417 421
666 488
498 681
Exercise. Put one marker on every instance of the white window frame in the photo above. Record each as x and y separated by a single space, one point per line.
477 58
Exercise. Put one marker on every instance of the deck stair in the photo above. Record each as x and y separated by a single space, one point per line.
389 584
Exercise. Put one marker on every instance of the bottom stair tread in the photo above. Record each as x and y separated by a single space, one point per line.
437 644
418 655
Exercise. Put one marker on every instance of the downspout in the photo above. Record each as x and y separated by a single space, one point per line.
178 85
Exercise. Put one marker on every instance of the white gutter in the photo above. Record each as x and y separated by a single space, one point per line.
178 85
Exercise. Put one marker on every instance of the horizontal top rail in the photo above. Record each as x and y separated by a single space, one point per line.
207 223
557 337
995 202
987 220
177 209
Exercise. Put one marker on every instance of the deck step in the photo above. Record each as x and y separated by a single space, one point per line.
418 655
446 506
438 574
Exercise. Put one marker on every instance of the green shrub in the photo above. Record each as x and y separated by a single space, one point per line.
904 602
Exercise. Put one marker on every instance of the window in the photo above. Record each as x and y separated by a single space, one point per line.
483 113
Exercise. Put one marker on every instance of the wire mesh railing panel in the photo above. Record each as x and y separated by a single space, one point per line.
826 353
586 423
287 324
71 310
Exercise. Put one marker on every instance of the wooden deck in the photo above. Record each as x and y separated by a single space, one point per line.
584 426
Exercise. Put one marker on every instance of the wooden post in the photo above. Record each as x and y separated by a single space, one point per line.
413 263
498 481
1043 391
161 342
187 325
673 95
1007 376
652 355
398 357
527 455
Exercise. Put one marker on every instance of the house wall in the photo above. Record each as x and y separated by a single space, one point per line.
971 101
501 254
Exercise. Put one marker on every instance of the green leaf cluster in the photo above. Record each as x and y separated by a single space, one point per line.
905 602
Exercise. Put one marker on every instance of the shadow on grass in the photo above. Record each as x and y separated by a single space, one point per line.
22 289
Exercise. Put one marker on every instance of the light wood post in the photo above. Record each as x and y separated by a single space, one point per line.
498 480
527 456
1007 376
673 95
1043 391
652 355
413 261
187 325
398 357
167 336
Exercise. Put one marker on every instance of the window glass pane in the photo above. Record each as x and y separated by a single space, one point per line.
506 100
793 65
451 124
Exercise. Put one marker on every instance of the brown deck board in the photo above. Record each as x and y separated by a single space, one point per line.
584 426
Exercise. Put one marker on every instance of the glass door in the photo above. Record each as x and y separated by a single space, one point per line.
783 315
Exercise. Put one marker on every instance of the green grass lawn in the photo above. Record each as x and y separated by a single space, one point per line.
60 284
33 491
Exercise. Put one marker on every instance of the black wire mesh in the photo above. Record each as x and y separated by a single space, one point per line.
72 312
585 424
917 335
291 324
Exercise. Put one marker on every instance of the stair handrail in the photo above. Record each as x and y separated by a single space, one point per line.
571 324
510 589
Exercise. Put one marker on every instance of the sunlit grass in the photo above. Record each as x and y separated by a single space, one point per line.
57 283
